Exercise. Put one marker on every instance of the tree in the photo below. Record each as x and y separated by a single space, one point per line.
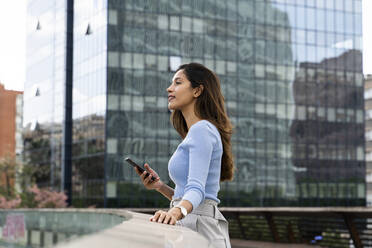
8 168
30 196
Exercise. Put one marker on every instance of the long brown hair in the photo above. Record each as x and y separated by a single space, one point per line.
210 105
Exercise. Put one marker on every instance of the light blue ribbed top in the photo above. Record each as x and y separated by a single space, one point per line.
195 166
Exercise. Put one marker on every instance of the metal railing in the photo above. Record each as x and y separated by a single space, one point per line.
326 226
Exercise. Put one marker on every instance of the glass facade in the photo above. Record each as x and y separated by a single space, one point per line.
291 74
44 89
89 102
292 77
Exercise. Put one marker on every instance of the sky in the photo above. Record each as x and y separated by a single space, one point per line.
13 42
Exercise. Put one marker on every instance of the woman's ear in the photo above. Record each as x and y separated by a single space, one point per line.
198 90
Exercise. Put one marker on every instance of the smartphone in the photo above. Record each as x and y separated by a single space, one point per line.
141 170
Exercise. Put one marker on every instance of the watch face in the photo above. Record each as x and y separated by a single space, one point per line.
184 211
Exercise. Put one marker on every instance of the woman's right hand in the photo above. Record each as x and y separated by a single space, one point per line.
148 182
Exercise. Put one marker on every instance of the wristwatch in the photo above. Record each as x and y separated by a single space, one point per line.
183 210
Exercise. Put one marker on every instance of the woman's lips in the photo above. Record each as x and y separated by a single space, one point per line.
170 98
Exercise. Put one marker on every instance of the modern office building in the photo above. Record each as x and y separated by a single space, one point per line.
368 136
96 90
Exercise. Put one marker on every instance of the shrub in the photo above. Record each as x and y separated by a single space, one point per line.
34 197
12 203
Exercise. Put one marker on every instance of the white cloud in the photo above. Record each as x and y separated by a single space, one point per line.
367 37
346 44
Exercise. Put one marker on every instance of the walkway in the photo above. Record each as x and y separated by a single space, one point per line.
240 243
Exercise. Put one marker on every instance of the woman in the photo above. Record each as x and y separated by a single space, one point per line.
201 160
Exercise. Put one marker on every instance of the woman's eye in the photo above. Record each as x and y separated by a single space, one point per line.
178 82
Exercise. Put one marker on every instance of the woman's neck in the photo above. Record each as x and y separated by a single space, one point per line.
190 117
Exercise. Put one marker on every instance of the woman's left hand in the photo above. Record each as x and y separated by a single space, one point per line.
164 217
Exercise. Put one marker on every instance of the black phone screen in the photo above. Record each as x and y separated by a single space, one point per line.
141 170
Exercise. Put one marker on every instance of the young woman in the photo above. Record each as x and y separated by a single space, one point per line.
201 160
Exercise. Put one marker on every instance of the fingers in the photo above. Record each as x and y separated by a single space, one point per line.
173 221
138 172
156 216
147 177
167 218
153 173
147 167
143 176
163 217
146 174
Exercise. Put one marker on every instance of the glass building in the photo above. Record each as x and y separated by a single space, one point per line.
291 74
43 115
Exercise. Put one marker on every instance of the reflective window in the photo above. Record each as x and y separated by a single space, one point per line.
290 73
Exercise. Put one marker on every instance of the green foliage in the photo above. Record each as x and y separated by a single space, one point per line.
8 168
28 200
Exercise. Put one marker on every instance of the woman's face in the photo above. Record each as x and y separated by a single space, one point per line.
180 92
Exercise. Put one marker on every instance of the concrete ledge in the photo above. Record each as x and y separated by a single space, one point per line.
137 232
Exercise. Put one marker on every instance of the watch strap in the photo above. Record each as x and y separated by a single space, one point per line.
183 210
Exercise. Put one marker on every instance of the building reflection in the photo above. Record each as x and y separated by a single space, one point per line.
328 131
292 85
368 137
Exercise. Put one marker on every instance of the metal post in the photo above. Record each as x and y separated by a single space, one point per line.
66 181
271 223
240 226
353 231
291 236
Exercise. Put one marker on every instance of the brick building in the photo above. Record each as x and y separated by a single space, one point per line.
10 123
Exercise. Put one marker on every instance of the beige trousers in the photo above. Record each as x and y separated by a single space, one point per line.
208 221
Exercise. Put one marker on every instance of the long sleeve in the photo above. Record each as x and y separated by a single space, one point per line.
200 142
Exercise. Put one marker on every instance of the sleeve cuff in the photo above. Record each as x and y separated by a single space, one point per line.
195 197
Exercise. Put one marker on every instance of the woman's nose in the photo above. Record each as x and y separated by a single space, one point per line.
169 89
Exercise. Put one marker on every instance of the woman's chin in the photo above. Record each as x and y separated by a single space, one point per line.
171 107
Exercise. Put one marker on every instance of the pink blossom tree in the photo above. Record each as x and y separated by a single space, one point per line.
29 197
44 198
12 203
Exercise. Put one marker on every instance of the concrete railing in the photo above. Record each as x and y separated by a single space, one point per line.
328 226
138 232
132 230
